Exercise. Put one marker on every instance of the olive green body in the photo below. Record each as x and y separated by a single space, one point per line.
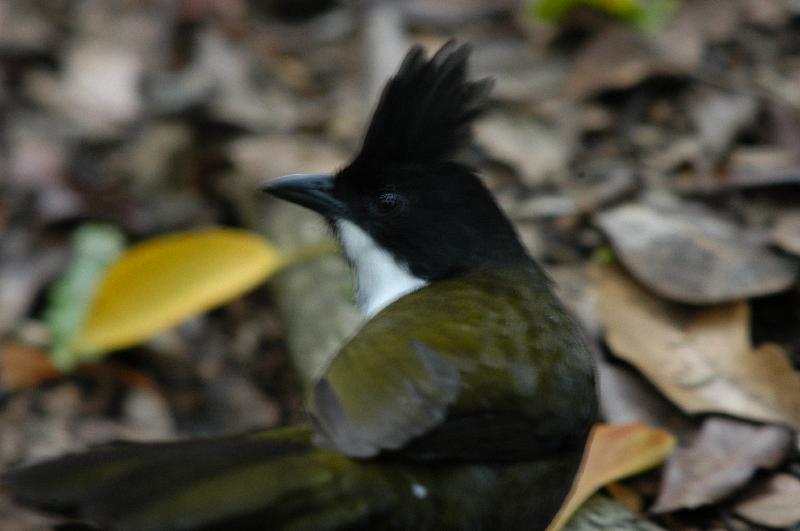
485 366
470 400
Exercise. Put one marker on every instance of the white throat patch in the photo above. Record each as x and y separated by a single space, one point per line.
380 279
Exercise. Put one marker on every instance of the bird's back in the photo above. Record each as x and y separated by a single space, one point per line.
485 366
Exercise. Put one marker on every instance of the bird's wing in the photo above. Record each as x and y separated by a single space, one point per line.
362 409
472 369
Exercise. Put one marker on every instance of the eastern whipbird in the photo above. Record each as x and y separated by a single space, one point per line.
463 403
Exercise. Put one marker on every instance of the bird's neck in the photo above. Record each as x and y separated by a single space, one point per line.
380 278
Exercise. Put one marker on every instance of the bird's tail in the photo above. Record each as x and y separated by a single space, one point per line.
279 481
266 480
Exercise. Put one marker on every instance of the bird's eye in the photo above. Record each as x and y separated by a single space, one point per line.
389 202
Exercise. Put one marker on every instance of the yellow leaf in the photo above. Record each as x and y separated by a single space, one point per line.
613 453
163 281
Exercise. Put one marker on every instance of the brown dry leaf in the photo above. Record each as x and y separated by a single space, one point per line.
600 182
719 118
724 457
701 359
614 452
617 58
23 366
747 167
683 40
625 397
23 275
754 166
774 504
786 231
697 23
576 291
520 74
602 513
131 378
274 155
687 254
98 87
537 152
626 496
24 30
765 13
453 14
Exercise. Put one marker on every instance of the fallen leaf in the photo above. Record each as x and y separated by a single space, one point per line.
615 59
773 504
747 167
765 13
626 397
147 414
535 151
453 14
601 513
163 281
557 10
701 359
687 254
626 496
614 452
23 366
680 152
98 87
23 29
696 22
104 79
584 190
724 457
257 157
599 182
94 246
754 166
127 376
719 118
219 76
520 74
786 231
574 288
26 266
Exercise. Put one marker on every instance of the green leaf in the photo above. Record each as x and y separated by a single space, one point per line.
94 247
644 14
604 255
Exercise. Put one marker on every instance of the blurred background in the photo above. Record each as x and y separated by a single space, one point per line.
647 150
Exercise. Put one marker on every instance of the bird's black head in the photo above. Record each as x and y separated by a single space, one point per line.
405 192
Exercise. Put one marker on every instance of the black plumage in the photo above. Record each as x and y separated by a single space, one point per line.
425 112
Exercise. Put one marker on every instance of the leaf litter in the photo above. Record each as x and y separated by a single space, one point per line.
591 118
700 358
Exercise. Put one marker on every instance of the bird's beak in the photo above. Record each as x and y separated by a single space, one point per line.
314 191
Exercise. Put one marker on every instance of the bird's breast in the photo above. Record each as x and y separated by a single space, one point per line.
380 278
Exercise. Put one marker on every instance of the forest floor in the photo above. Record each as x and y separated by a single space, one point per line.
655 173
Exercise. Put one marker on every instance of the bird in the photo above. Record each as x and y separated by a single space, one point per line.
464 401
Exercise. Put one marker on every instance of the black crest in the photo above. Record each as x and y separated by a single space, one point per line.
426 109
